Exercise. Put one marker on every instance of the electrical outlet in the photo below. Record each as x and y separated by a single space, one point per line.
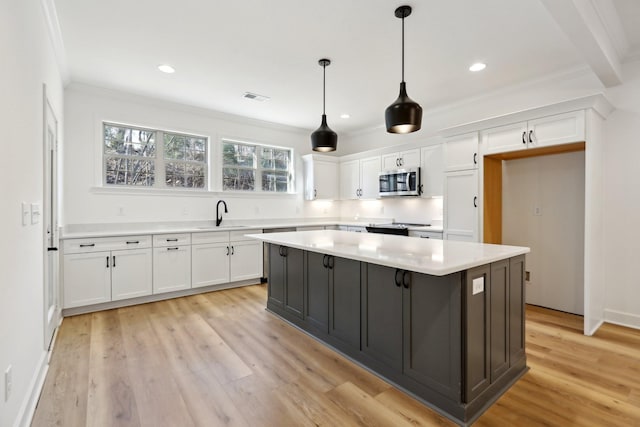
537 211
527 276
120 211
8 383
478 285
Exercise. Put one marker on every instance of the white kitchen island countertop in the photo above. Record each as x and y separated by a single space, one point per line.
429 256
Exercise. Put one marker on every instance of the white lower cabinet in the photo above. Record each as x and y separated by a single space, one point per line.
171 268
245 261
209 264
106 269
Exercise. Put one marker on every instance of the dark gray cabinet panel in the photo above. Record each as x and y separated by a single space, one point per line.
476 334
516 309
432 337
499 318
294 283
344 301
382 314
276 276
317 295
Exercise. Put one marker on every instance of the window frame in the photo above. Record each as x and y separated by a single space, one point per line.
258 169
159 162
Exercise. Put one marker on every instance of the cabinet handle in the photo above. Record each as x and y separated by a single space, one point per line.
475 158
279 251
398 284
172 249
87 245
228 251
114 261
330 262
325 262
172 240
401 160
406 282
530 136
315 193
107 262
232 250
133 242
425 237
475 201
524 137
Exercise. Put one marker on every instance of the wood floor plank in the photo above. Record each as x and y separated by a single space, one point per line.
221 359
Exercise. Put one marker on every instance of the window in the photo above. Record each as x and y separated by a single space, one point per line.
253 167
152 158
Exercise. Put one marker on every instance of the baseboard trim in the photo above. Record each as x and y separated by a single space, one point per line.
594 328
28 408
621 318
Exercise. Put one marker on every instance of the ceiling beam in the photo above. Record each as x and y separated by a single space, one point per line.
582 22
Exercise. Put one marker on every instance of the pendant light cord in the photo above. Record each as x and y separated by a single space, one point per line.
324 83
403 47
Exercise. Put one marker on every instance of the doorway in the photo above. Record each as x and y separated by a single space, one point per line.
50 222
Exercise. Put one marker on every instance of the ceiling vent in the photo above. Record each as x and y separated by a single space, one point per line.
255 97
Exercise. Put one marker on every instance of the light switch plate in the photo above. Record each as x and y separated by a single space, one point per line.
25 213
35 213
478 285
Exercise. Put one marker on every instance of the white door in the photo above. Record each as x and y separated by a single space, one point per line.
87 278
410 159
432 175
506 138
50 223
349 180
461 205
210 264
390 162
461 152
325 180
131 273
246 260
370 178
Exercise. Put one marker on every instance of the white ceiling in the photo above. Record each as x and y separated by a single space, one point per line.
222 49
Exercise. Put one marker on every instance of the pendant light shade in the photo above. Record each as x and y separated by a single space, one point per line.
404 115
324 139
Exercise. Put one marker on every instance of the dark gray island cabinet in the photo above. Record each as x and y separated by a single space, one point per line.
455 341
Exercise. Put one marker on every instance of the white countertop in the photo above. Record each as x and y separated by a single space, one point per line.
429 256
81 231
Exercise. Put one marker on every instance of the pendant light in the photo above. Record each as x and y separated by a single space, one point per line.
324 139
404 115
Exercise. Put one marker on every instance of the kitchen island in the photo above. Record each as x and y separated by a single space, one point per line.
442 320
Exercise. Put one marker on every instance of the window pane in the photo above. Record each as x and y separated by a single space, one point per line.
239 154
174 146
273 158
238 179
122 171
129 141
275 181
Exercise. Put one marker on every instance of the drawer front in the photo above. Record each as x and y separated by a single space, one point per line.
209 237
176 239
426 234
239 235
78 246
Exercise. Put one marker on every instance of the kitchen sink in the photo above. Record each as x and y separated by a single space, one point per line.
221 227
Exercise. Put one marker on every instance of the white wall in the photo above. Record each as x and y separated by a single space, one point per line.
622 202
28 62
555 233
414 210
84 203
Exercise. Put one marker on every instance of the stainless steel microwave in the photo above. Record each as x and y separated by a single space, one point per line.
400 182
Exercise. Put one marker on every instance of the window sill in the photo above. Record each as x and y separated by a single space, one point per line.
187 193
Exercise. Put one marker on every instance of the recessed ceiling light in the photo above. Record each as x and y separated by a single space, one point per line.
344 116
166 68
478 66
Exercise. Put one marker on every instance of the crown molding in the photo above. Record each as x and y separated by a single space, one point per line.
53 27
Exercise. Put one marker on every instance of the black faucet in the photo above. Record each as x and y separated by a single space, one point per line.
218 216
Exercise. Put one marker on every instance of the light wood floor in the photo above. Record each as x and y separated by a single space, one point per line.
221 359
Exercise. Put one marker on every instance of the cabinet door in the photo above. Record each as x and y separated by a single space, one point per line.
370 177
325 179
516 309
382 314
245 260
276 279
499 318
349 180
344 301
131 274
294 282
171 269
87 279
461 152
476 326
317 292
432 337
391 161
558 129
505 138
432 171
410 158
461 206
209 264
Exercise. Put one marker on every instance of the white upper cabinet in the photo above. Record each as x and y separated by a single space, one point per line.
320 177
461 206
432 171
359 178
401 160
461 152
550 130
